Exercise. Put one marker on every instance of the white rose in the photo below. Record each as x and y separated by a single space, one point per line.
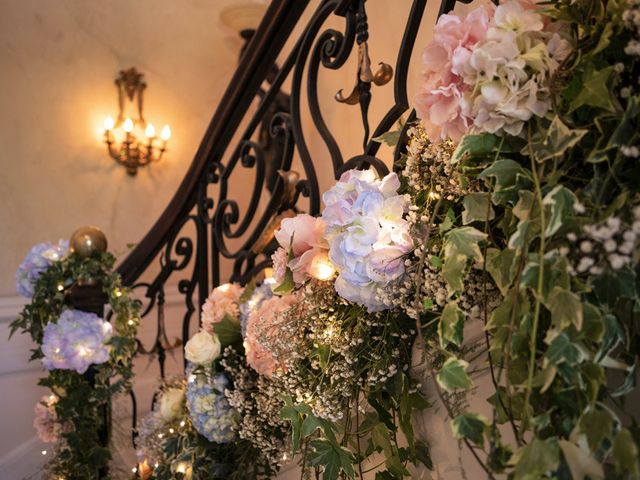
171 403
203 348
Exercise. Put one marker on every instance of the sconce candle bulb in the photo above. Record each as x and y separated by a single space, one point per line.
133 152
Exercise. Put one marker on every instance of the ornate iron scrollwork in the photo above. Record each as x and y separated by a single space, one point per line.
273 137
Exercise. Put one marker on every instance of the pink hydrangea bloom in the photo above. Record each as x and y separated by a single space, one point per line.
264 323
440 101
46 421
303 235
222 300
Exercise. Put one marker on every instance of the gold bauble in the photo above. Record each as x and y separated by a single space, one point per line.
87 240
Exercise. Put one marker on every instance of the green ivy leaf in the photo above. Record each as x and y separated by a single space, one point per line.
447 223
596 424
332 457
228 331
501 266
566 308
554 142
470 426
453 375
453 272
477 208
560 200
510 178
464 241
595 91
537 458
390 138
451 326
625 454
562 349
475 145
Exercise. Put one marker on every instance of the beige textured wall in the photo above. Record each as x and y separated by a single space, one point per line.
58 60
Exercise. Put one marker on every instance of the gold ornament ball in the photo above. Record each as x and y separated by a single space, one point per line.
87 240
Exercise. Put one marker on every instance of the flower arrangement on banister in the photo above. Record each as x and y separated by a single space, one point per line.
516 206
88 358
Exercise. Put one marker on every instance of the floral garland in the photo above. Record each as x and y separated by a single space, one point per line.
516 207
88 359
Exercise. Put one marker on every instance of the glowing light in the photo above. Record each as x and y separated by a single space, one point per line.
160 435
134 469
182 467
182 423
246 346
192 378
118 293
165 134
44 452
131 322
156 465
434 195
150 131
108 123
57 350
83 352
322 269
52 398
60 287
127 126
171 430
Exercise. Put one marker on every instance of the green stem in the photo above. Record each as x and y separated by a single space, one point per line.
538 299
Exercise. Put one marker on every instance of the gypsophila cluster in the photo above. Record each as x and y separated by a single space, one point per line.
609 244
209 409
631 18
257 401
343 349
428 170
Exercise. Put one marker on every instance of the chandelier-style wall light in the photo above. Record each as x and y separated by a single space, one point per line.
132 142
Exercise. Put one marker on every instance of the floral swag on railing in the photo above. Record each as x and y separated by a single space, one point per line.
515 206
88 358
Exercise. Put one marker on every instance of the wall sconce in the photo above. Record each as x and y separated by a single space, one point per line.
130 151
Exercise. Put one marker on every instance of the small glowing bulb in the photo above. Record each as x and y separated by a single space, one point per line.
322 269
245 344
160 435
134 469
118 293
57 350
150 131
285 457
108 123
156 465
82 352
60 287
182 467
434 195
44 452
165 134
131 322
171 430
127 126
182 423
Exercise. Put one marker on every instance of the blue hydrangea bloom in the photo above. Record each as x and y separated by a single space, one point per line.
209 410
75 341
39 258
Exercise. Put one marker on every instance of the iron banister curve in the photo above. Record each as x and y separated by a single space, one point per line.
258 58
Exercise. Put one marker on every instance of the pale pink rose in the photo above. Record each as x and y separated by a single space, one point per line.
222 300
303 235
265 323
46 422
439 102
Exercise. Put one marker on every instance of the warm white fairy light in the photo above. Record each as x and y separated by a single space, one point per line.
44 452
322 269
117 292
182 467
134 469
182 423
131 322
160 435
171 430
60 287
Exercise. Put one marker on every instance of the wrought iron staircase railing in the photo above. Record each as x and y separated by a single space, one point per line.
272 136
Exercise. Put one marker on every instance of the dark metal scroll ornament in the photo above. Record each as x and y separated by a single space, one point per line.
204 226
361 93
